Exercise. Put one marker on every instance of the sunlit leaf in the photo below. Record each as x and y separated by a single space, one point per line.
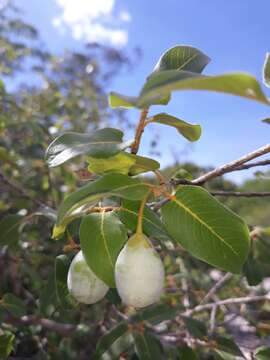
240 84
191 132
101 143
206 228
266 70
182 57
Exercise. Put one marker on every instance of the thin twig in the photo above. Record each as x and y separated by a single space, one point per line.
139 132
218 285
253 164
226 168
66 330
240 300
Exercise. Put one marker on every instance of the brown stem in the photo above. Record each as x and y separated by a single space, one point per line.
139 132
226 168
66 330
240 300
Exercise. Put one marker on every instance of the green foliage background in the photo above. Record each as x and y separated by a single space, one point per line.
68 92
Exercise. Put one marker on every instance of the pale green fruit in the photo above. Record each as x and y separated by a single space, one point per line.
83 284
139 273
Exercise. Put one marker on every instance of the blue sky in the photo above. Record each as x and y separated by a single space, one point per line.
235 34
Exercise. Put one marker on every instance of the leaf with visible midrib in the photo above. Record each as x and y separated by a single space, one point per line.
147 346
106 186
182 57
102 235
152 226
207 229
101 143
192 132
240 84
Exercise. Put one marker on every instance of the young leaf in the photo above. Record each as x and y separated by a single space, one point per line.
123 163
9 229
207 229
123 101
102 236
147 347
266 70
101 143
142 164
106 186
240 84
118 100
182 57
152 226
189 131
62 263
6 344
119 163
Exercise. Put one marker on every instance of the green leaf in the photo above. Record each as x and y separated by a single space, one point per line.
155 314
106 186
62 263
102 236
182 57
262 353
109 339
227 348
152 226
143 164
9 229
123 163
119 163
189 131
162 83
206 228
6 344
266 70
13 305
252 271
118 100
195 327
186 353
147 347
267 120
101 143
123 101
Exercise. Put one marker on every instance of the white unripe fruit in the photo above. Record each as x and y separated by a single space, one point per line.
83 284
139 273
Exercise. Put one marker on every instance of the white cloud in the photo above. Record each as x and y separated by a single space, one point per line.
93 21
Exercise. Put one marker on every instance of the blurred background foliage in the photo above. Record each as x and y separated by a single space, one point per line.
42 95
